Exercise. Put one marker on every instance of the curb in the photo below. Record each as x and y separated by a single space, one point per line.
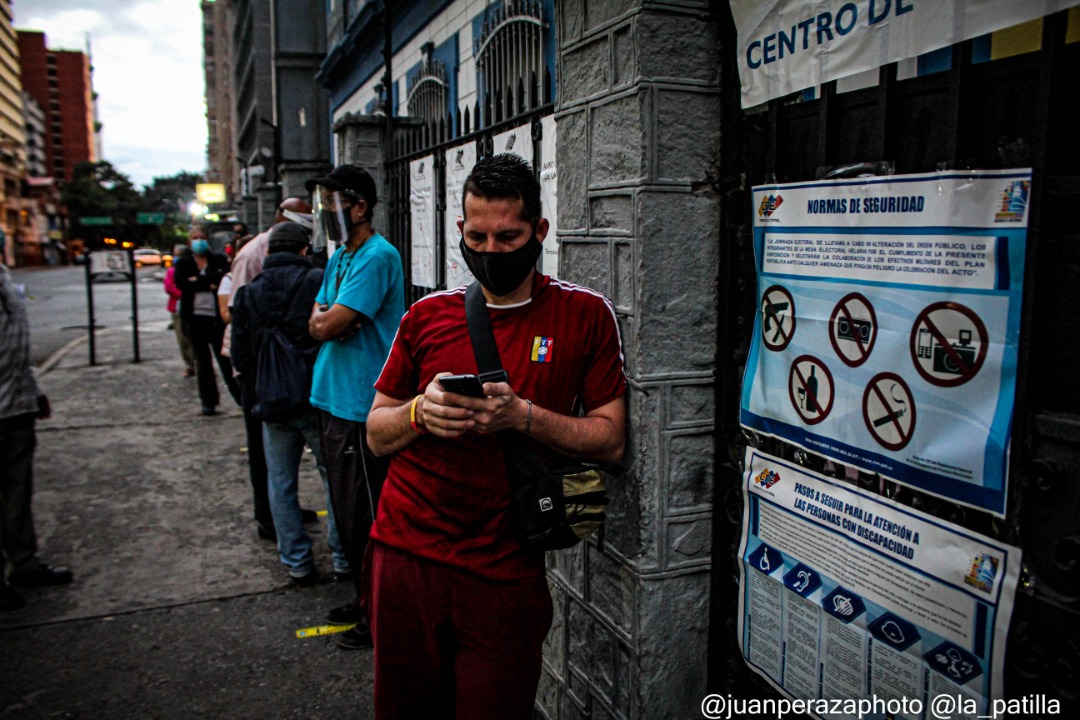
54 359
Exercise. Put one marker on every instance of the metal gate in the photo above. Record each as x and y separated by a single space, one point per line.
974 114
414 139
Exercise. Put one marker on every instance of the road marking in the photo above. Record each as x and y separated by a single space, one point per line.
322 630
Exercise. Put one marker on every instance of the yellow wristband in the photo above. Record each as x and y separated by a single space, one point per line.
412 416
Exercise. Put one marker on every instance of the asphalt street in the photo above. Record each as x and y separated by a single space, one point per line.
177 610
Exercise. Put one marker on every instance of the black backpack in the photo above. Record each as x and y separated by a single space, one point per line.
282 382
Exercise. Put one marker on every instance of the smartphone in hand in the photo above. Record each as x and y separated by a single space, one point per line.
469 385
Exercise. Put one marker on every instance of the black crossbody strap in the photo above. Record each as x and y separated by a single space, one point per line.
488 362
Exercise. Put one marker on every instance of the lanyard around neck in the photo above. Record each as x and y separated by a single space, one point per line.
342 272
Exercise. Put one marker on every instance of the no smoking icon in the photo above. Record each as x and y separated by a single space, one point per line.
889 410
810 387
777 317
853 329
948 344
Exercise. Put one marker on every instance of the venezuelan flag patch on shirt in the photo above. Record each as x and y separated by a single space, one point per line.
542 348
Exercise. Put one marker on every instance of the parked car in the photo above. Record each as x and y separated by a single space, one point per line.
149 256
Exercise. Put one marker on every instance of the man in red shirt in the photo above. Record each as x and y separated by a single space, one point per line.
459 608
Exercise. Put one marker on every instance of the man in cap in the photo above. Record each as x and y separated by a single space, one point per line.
245 266
281 297
356 315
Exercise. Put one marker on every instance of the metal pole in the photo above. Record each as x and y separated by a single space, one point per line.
90 305
134 305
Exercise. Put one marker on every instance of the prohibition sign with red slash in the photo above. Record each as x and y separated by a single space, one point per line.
948 344
853 329
810 387
888 408
777 317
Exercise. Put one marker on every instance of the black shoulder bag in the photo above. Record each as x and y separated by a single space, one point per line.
551 507
282 380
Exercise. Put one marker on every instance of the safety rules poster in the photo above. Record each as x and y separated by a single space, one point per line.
888 323
847 596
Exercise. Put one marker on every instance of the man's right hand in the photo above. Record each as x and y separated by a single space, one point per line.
442 413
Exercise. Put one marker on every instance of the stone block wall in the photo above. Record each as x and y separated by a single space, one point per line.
638 141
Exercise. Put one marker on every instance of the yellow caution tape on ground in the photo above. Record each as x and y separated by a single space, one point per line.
322 630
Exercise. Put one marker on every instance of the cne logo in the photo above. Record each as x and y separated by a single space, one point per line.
510 142
983 572
1014 199
459 159
769 204
767 478
546 505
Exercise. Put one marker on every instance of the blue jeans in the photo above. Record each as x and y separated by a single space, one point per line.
284 448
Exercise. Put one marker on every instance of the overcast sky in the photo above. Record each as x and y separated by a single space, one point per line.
147 58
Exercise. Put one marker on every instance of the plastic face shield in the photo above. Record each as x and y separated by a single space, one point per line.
331 218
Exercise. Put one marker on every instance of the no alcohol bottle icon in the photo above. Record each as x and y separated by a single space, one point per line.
810 387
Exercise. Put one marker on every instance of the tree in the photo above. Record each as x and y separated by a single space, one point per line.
99 189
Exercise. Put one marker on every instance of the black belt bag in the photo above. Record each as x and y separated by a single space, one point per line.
551 507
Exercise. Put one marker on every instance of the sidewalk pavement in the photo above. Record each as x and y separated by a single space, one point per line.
177 610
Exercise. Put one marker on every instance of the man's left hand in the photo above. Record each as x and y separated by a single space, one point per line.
501 409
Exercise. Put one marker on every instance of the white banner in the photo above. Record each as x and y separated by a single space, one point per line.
549 191
422 209
459 163
790 45
518 141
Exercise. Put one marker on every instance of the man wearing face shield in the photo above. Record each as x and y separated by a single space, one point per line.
356 314
459 608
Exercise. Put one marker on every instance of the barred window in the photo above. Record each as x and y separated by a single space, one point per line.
510 57
428 88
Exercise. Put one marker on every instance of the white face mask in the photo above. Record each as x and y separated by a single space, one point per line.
332 218
305 219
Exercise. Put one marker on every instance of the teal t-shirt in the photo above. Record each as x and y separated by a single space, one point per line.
369 281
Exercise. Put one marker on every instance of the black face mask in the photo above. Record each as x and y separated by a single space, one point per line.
502 272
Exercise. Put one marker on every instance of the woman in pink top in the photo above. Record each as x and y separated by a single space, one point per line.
174 295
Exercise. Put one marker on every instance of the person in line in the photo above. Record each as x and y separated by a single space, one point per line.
459 607
355 316
175 294
281 297
246 265
198 276
22 404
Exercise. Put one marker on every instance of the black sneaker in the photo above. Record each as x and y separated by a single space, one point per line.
345 615
308 580
10 599
358 638
308 517
41 575
265 533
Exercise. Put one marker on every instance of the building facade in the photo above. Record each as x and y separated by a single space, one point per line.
654 160
60 82
12 133
221 162
267 116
